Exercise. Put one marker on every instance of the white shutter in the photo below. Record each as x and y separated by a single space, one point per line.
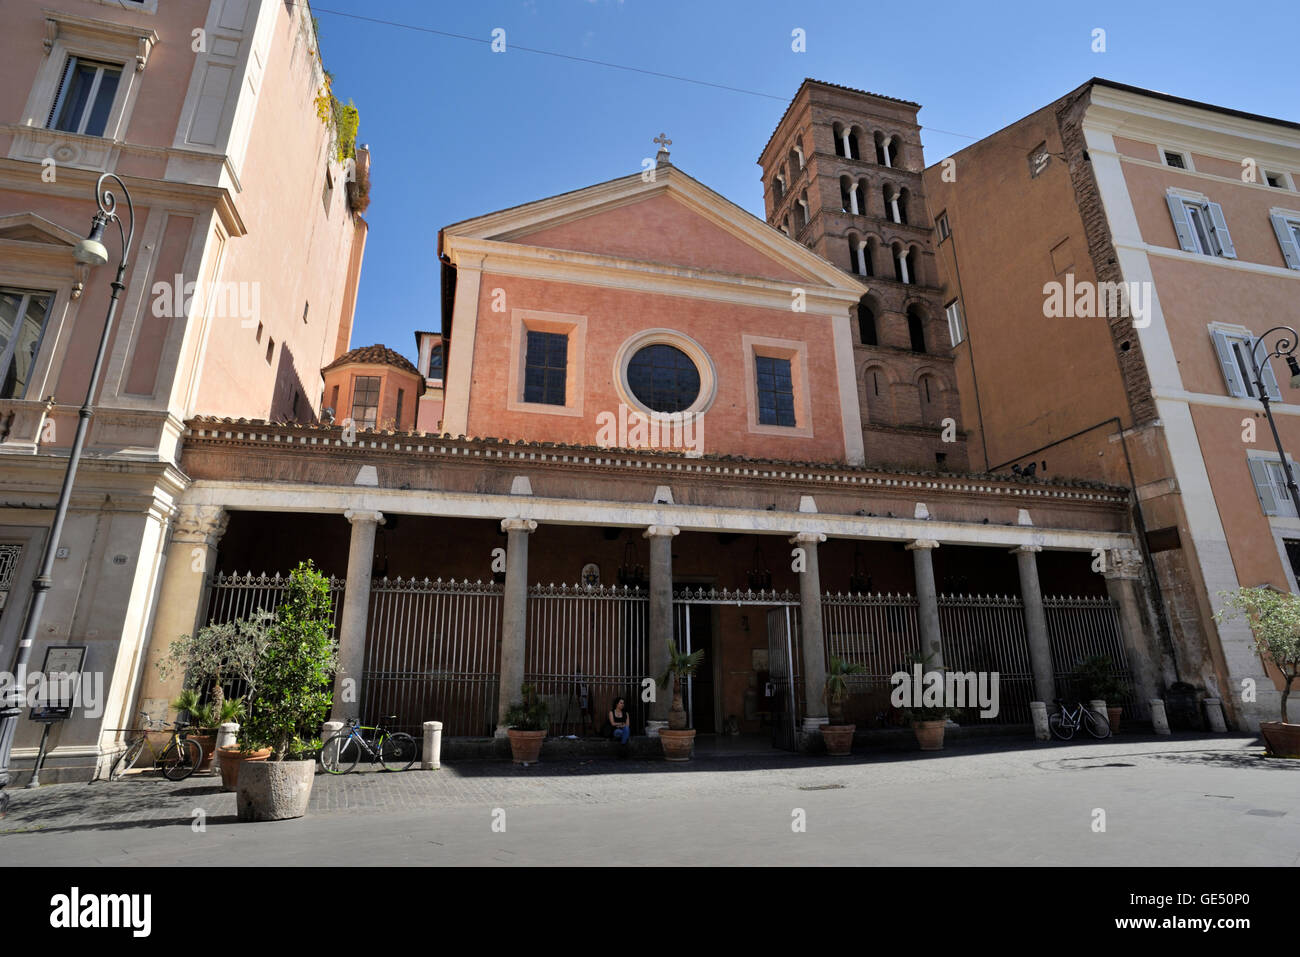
1270 380
1286 239
1263 485
1221 236
1185 238
1228 363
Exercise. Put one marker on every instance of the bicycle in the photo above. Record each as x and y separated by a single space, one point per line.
340 753
179 759
1065 722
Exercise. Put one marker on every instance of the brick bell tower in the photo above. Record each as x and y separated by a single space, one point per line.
842 175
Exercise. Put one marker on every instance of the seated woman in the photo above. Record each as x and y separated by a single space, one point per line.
620 721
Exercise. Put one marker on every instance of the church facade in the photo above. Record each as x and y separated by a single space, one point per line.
656 427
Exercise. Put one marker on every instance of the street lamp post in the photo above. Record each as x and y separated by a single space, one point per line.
90 252
1285 346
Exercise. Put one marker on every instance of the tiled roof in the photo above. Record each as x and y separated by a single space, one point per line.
374 355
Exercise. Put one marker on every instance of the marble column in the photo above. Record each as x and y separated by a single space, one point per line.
183 599
356 613
811 640
514 615
1040 648
1123 571
927 602
661 618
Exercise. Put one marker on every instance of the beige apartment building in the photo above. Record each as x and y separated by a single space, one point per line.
240 288
1194 208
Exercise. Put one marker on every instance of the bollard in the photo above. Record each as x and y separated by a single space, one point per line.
327 729
1159 723
1097 706
1038 710
432 759
1214 714
226 735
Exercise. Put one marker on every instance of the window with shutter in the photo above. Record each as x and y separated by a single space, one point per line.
1229 363
1234 350
1222 240
1269 478
1287 228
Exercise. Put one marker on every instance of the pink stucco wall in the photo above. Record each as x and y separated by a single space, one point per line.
661 229
613 315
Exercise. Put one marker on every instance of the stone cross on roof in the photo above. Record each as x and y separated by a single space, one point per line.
664 142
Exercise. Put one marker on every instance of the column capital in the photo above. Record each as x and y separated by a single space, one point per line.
808 538
1122 563
355 515
200 524
922 543
1025 549
657 531
518 525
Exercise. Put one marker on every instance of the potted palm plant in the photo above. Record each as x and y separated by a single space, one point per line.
678 739
1274 618
837 735
526 724
292 697
205 719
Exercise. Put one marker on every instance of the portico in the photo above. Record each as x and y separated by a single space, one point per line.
559 512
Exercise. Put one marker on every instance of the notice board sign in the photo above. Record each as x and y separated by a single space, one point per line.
60 686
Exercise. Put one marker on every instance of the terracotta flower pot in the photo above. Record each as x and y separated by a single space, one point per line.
526 746
838 738
1113 715
208 742
274 790
1281 739
677 744
231 759
929 734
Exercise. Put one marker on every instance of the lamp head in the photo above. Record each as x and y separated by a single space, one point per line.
1294 366
91 251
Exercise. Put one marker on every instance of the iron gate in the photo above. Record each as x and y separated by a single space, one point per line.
782 619
784 672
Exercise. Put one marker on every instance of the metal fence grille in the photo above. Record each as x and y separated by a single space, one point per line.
585 646
432 654
1079 628
986 633
981 633
878 632
238 596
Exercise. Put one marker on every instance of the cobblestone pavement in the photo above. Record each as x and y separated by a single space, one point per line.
148 800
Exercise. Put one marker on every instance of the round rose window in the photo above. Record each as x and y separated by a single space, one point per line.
663 378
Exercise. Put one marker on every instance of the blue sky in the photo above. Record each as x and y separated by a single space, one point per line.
457 130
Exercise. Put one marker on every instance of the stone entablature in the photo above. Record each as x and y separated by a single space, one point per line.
304 468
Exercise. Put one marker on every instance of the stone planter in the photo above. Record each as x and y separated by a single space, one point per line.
274 790
677 744
838 738
929 734
1113 715
1281 739
231 759
526 746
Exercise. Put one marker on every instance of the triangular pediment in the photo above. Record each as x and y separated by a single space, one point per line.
30 228
673 220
